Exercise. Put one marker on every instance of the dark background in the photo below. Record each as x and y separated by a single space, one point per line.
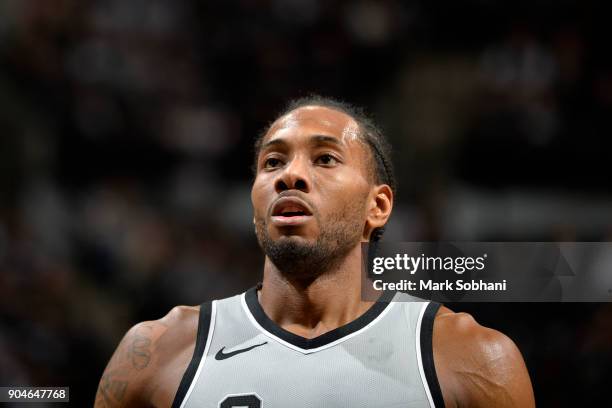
125 147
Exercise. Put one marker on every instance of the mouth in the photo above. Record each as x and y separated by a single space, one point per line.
289 211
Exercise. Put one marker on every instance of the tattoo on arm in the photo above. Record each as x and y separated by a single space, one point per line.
111 391
125 370
139 349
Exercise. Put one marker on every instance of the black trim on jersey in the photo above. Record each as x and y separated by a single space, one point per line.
200 345
427 353
258 313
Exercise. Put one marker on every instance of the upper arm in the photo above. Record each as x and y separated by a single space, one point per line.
125 378
478 366
142 357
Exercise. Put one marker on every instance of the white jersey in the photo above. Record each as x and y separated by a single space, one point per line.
242 358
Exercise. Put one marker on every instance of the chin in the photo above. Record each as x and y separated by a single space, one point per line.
294 238
297 233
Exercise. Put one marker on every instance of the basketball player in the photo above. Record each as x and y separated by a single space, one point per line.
305 337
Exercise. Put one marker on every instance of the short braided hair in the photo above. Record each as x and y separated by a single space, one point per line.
369 133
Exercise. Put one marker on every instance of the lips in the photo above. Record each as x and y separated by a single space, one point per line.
290 207
290 211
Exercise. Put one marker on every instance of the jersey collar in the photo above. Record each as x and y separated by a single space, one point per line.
259 318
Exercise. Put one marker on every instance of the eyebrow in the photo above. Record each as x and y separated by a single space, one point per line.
323 139
314 139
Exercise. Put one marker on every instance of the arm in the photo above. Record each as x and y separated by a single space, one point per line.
148 364
478 366
125 379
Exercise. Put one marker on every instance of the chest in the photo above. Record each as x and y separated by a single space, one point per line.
366 371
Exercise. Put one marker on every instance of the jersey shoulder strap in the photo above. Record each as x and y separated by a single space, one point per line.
205 323
425 343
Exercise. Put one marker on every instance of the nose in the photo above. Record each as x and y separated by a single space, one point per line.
294 176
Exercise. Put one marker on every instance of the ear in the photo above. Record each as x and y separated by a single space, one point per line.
380 204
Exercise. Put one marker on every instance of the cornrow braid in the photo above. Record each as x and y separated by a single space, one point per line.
381 151
384 163
369 133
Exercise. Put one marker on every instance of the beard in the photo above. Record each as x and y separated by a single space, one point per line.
302 260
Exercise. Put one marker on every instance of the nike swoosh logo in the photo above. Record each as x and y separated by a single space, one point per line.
222 356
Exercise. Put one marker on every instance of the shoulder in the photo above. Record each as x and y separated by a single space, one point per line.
179 327
478 365
132 376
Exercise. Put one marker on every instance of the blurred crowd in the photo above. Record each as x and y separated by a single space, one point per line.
126 131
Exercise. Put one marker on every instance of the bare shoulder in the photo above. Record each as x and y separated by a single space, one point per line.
181 326
134 376
478 366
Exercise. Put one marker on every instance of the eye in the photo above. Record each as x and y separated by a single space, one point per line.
272 163
326 160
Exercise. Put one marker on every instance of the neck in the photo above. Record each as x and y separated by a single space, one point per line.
311 307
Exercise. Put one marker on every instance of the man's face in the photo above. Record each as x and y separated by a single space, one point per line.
310 193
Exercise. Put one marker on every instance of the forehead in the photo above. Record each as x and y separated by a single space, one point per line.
315 120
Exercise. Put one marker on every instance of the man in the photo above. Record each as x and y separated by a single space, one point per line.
305 337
